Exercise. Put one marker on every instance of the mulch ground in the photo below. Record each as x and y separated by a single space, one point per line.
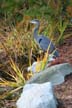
64 91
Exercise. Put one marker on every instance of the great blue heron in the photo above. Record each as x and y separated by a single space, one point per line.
43 41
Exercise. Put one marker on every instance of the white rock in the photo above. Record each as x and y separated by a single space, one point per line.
50 58
37 96
33 66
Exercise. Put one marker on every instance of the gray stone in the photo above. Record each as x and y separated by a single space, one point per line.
54 74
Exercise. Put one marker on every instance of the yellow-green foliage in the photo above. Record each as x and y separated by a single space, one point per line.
54 16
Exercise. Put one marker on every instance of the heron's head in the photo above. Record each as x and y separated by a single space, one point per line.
35 21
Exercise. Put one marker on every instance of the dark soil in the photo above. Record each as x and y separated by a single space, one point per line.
64 91
66 50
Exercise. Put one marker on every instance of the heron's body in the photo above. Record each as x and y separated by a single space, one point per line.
42 40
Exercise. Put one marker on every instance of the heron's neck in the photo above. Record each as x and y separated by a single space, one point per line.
36 31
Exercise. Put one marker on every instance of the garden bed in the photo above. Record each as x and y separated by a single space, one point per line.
63 91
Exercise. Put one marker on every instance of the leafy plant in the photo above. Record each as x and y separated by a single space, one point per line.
18 79
61 27
41 64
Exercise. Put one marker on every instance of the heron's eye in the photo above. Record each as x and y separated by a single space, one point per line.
40 40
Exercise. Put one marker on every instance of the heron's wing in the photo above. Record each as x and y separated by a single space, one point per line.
44 43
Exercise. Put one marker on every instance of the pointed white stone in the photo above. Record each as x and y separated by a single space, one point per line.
37 96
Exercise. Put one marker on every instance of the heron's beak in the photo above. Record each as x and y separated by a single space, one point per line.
33 22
